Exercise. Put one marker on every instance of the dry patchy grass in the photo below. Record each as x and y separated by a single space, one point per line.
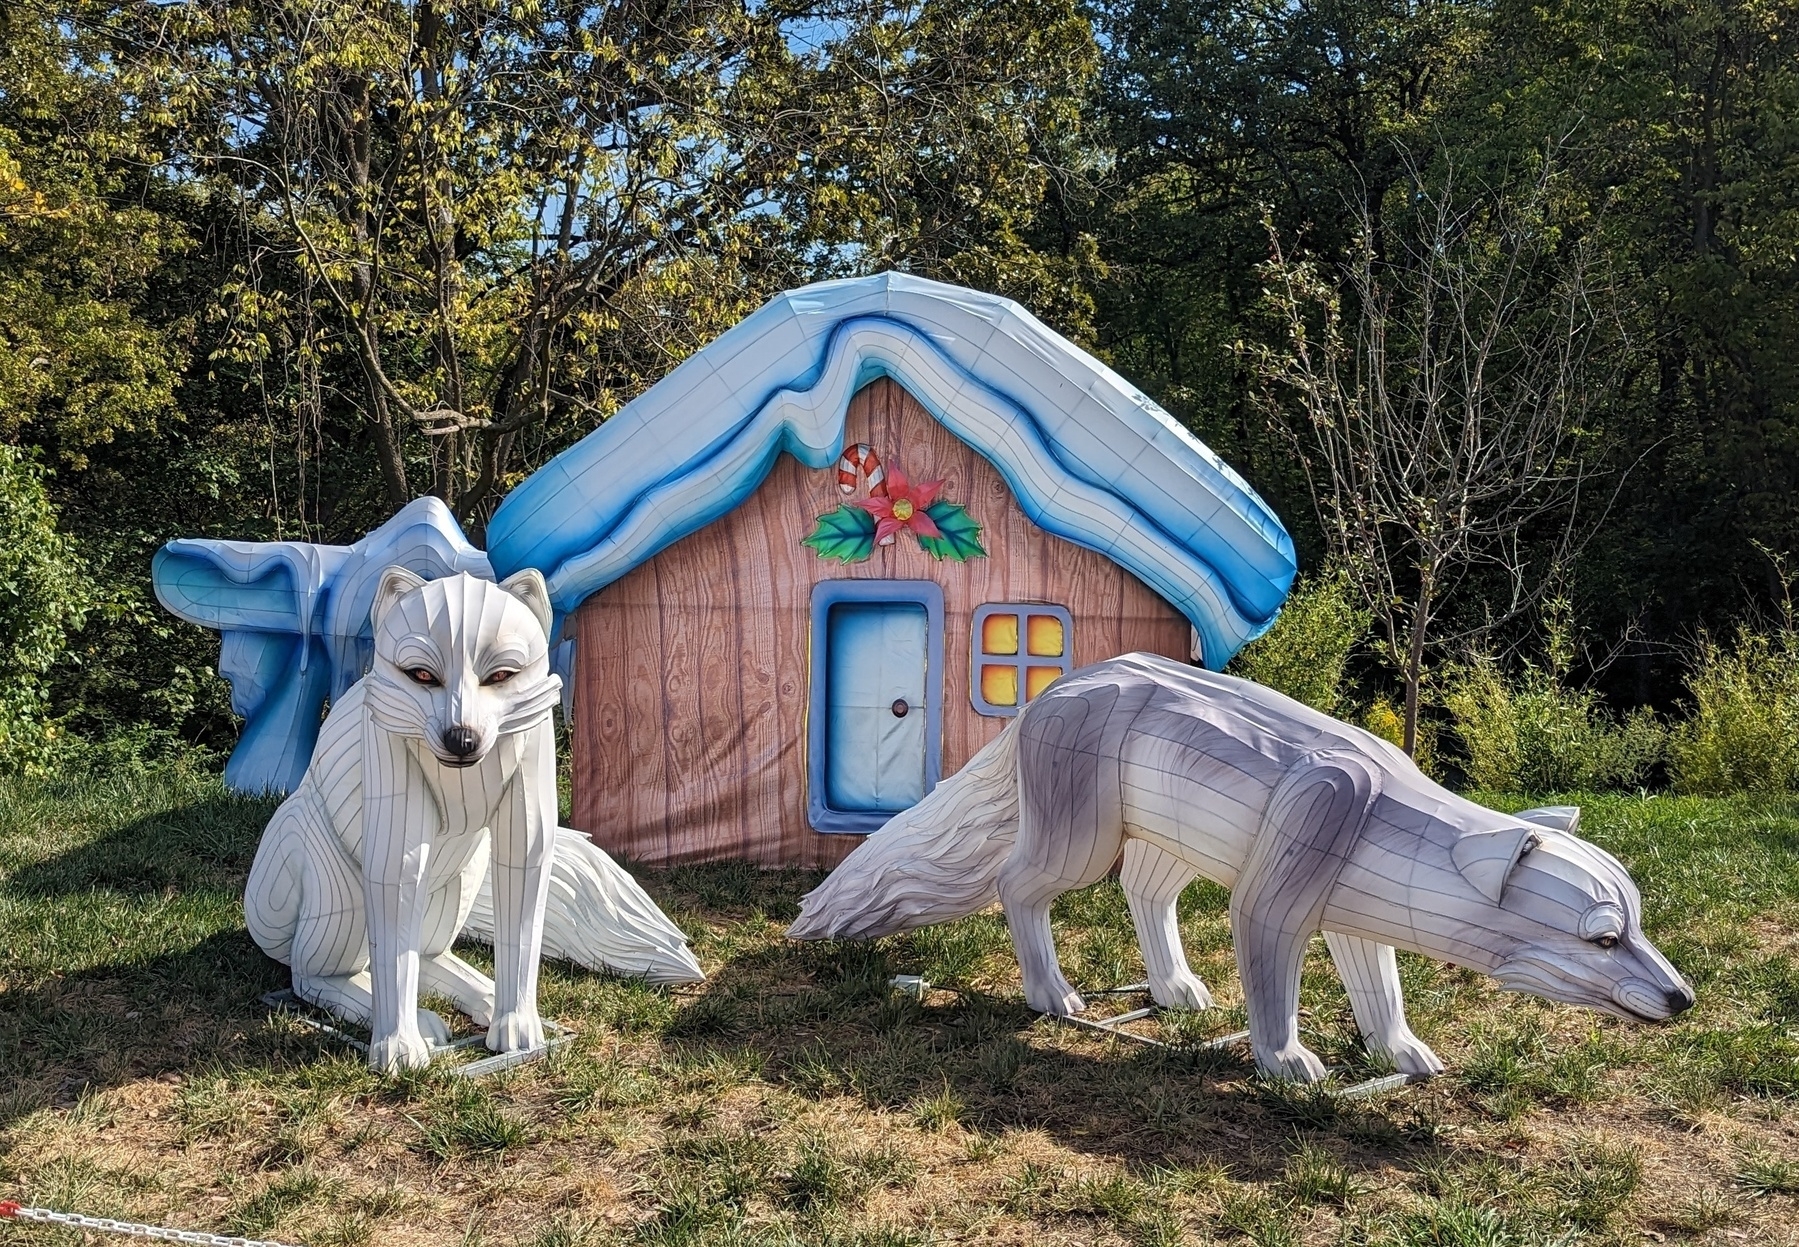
794 1099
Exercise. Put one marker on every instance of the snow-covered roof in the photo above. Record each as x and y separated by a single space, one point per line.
1089 457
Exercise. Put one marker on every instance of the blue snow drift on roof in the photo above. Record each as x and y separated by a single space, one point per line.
1089 457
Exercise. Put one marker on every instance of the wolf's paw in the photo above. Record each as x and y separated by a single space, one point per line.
1410 1055
432 1029
393 1053
478 1008
1294 1062
518 1031
1058 1000
1181 991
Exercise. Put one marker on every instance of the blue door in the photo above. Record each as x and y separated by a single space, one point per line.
877 661
875 704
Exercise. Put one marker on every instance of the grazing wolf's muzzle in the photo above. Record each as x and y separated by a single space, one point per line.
1651 1002
462 743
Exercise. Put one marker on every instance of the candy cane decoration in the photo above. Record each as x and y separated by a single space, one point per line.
861 458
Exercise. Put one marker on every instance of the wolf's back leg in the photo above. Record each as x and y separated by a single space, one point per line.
1370 972
1070 825
1153 880
275 893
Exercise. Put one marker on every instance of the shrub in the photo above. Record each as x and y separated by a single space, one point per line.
1386 720
1743 734
1535 734
44 594
1305 653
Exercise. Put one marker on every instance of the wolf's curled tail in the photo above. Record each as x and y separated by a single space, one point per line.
598 917
937 861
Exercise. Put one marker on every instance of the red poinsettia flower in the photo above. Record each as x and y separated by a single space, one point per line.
903 507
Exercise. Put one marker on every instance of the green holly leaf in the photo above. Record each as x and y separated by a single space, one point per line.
961 538
848 533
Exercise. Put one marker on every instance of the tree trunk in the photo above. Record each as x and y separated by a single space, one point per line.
1414 665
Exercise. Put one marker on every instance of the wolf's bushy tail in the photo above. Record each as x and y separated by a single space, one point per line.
936 861
598 917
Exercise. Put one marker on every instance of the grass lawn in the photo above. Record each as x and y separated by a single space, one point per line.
794 1099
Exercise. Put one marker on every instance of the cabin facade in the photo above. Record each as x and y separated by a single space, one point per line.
740 696
827 559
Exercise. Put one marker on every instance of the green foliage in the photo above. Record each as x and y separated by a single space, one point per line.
1742 734
44 593
1306 651
1387 720
961 539
83 357
1534 734
468 1120
846 534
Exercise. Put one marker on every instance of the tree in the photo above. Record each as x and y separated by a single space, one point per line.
1219 110
83 358
480 226
1441 400
43 595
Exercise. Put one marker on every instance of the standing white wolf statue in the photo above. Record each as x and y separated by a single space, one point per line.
440 758
1312 824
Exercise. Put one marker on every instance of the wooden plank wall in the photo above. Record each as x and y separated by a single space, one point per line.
692 677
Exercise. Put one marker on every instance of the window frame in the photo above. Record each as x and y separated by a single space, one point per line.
1022 661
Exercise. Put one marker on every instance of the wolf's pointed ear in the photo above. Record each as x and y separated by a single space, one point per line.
528 587
395 583
1486 858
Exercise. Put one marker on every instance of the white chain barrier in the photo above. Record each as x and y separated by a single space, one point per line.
106 1225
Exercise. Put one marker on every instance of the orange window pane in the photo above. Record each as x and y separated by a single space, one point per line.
1036 679
1043 637
999 635
999 685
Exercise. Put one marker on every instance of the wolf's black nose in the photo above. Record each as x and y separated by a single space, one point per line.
1680 1000
461 741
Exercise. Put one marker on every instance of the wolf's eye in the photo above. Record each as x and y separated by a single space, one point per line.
1606 941
500 677
423 675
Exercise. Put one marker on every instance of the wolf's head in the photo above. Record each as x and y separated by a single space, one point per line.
460 662
1573 922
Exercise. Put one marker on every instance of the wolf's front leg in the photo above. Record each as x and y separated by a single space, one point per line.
400 822
523 839
1370 972
1311 824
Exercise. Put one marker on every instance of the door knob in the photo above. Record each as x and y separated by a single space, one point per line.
900 708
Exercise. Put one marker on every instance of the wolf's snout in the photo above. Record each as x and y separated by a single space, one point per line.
461 742
1651 1001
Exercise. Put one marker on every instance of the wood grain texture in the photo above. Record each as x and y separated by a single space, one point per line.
692 681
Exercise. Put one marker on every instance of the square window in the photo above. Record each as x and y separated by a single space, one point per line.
999 684
1017 650
1036 679
999 634
1045 637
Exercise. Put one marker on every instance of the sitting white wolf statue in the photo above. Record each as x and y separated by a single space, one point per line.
1312 824
441 757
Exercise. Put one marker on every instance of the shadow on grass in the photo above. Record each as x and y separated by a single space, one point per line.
820 1021
124 953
